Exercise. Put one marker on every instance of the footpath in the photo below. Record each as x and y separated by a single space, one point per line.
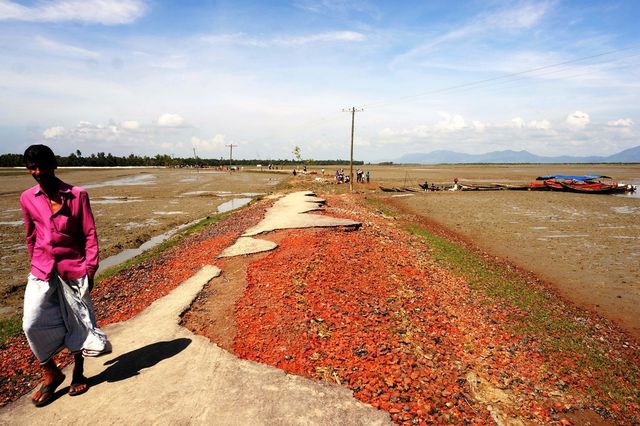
160 373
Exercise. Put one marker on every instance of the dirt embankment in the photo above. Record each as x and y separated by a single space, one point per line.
587 246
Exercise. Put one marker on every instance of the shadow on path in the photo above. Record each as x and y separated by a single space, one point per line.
129 364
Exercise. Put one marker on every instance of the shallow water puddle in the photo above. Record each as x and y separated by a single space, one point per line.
233 204
12 223
186 194
116 200
129 180
131 253
154 241
626 209
548 237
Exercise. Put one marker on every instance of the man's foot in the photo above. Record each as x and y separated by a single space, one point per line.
79 386
79 383
45 393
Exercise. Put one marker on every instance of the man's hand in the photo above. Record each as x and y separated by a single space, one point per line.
90 284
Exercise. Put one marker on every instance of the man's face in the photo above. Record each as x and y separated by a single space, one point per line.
42 174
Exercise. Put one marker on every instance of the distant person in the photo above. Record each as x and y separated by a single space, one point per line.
455 184
367 175
63 247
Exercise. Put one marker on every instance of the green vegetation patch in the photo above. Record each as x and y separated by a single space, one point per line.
381 207
498 282
9 327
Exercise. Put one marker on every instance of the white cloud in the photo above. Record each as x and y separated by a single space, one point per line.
478 126
518 123
339 7
450 122
215 144
170 120
623 122
62 49
171 147
539 124
245 40
130 125
53 132
349 36
522 16
106 12
578 120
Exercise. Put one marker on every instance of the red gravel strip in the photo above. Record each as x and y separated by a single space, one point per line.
371 311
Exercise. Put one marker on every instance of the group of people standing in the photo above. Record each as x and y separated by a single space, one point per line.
361 176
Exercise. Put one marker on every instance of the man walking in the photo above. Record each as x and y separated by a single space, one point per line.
63 246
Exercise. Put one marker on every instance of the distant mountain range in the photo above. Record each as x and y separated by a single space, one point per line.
631 155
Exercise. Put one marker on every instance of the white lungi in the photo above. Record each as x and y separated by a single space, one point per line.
58 314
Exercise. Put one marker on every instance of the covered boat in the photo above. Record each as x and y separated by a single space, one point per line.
589 184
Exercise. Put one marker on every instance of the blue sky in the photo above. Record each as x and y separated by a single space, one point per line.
148 77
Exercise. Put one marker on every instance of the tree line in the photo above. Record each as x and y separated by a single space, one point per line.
161 160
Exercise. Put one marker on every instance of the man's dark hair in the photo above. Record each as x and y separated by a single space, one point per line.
40 155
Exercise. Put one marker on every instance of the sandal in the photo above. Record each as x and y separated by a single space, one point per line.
73 391
48 391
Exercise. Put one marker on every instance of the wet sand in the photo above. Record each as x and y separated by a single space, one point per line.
130 207
587 246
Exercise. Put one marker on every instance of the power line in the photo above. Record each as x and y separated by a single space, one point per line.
230 154
353 111
492 79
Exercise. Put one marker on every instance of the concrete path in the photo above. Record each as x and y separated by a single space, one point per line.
286 213
160 373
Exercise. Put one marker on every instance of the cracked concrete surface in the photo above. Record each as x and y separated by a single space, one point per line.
288 213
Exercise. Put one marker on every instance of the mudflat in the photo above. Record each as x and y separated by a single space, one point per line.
130 205
587 246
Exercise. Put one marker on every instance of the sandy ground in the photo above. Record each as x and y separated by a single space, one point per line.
130 206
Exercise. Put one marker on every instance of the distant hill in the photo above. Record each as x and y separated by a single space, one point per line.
631 155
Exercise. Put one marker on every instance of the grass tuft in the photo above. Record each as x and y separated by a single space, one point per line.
9 327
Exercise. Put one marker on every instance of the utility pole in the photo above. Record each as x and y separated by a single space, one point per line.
195 160
353 111
230 154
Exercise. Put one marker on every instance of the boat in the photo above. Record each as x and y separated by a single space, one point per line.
514 187
390 189
587 184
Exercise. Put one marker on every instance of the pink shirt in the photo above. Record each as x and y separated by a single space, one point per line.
65 241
